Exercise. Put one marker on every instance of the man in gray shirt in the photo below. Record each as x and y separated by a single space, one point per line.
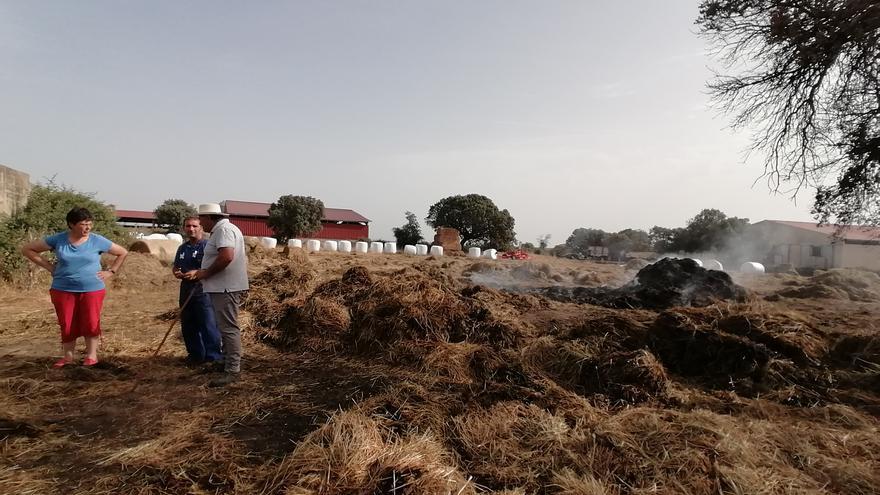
224 279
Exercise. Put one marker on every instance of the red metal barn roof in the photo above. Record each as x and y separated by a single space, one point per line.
254 209
255 226
136 214
852 232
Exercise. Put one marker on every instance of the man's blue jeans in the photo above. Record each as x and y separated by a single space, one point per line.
199 327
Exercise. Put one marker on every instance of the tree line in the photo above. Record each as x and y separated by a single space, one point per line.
709 230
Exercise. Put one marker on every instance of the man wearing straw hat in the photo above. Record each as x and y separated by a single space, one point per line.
224 278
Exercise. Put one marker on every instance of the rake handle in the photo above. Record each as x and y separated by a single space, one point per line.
175 320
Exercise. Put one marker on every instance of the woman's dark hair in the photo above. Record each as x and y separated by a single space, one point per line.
77 215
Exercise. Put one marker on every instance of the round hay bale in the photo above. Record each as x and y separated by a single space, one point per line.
714 265
163 249
751 267
141 270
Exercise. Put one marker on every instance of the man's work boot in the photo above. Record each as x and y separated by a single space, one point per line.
224 380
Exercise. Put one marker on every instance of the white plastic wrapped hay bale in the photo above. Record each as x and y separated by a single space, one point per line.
376 247
269 242
330 246
410 250
714 265
490 254
474 252
437 251
390 248
751 267
164 249
422 249
156 237
313 245
697 261
295 243
175 237
344 246
362 247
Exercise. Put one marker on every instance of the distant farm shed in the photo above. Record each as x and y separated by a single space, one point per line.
808 245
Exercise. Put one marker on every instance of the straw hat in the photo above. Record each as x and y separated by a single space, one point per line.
211 209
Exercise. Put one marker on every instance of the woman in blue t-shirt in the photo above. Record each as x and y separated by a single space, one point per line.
77 281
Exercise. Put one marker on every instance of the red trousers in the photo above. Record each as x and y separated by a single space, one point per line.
79 313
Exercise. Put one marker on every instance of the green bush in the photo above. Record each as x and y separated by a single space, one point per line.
44 215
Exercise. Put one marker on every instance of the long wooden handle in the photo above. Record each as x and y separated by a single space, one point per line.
176 318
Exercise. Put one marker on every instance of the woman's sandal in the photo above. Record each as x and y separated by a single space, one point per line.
61 363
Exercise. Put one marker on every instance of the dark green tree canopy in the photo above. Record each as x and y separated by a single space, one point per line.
47 208
295 216
709 230
628 240
808 80
410 232
665 240
172 212
477 219
582 238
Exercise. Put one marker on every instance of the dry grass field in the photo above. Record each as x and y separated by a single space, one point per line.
386 374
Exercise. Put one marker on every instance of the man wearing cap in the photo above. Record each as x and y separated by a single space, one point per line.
224 279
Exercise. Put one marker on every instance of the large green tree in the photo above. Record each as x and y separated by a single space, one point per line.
708 230
807 81
172 212
410 232
478 220
295 216
711 230
581 239
627 240
665 240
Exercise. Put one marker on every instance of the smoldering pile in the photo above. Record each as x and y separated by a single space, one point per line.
664 284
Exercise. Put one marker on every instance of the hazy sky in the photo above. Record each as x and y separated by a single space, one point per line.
568 113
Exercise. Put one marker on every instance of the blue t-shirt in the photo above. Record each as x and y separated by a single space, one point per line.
188 258
78 266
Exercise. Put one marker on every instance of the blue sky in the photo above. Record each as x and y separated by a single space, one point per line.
568 113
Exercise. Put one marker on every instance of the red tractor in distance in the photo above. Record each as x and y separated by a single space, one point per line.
517 254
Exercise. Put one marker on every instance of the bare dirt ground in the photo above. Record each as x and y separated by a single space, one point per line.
393 374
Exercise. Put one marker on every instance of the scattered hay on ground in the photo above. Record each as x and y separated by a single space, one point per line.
407 305
279 287
353 452
837 283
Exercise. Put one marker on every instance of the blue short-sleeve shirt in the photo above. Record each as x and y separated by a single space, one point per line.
188 258
78 266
